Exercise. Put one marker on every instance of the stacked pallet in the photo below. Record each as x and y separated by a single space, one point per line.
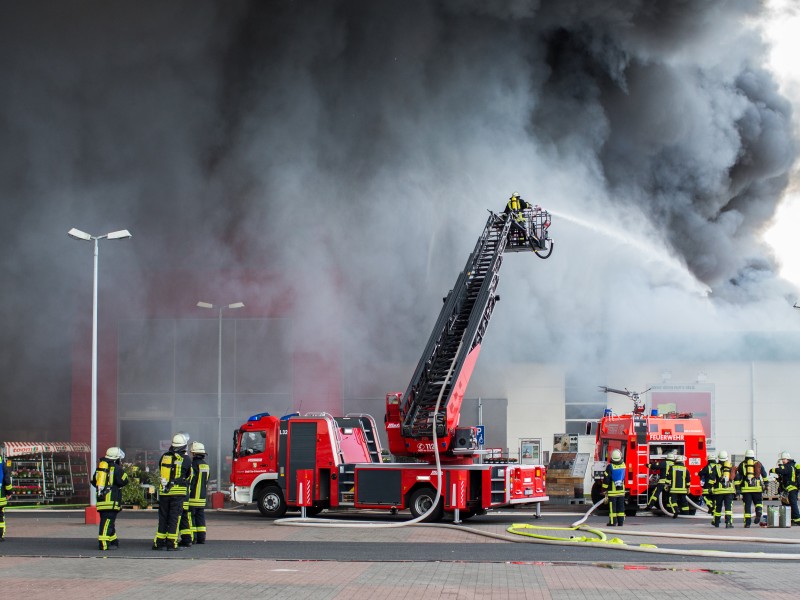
562 481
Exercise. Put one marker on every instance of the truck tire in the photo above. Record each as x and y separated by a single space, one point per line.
421 500
270 502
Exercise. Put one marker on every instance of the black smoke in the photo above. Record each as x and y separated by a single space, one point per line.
357 146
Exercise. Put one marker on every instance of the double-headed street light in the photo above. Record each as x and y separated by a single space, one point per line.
77 234
220 308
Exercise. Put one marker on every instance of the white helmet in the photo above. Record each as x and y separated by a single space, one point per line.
785 455
197 448
616 455
672 454
711 456
750 454
723 455
179 440
115 453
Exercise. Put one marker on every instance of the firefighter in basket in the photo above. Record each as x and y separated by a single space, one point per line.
518 233
614 489
749 481
175 470
109 479
787 472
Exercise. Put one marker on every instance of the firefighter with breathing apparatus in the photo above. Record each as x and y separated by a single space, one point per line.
722 489
175 471
614 489
749 481
109 478
705 478
197 492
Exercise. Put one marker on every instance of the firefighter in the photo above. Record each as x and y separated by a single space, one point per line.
787 480
197 492
109 478
614 489
514 207
749 481
175 471
5 490
660 467
722 489
705 476
678 478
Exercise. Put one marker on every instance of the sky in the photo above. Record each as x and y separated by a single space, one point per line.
358 145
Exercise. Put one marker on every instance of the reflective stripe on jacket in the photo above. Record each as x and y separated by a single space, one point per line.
197 490
749 476
614 479
678 479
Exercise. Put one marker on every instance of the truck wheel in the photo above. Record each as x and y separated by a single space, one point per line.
271 503
421 500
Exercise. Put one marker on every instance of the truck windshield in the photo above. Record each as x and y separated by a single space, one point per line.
253 442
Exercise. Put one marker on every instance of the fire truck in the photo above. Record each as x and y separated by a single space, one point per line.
646 439
319 461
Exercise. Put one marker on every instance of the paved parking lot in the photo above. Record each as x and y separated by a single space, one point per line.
52 555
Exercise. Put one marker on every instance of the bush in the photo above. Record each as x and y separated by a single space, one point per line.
133 494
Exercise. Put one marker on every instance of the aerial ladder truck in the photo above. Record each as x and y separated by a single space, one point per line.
323 462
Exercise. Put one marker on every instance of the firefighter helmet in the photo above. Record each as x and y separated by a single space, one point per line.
515 196
115 453
616 455
179 440
750 454
786 456
680 458
723 455
197 448
711 456
672 454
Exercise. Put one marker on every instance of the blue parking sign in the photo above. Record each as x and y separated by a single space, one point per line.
481 431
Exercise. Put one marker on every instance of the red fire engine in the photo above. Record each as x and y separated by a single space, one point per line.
340 459
647 439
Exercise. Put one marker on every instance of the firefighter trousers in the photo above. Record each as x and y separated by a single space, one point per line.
678 504
107 536
616 510
199 523
169 513
2 522
186 527
752 500
723 504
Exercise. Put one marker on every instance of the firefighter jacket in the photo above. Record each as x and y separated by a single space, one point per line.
614 479
750 476
175 470
109 479
705 474
787 474
197 488
720 479
5 481
678 478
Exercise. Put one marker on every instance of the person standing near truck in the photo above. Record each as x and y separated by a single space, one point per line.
705 478
722 490
175 470
109 479
749 480
5 490
678 478
614 489
197 492
787 478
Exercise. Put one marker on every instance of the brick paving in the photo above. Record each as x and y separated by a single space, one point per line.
623 576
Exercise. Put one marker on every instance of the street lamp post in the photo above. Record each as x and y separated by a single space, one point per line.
77 234
220 308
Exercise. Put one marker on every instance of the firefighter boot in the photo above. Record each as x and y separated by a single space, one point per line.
715 522
747 523
728 525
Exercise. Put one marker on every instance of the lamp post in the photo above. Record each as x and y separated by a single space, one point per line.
220 308
77 234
